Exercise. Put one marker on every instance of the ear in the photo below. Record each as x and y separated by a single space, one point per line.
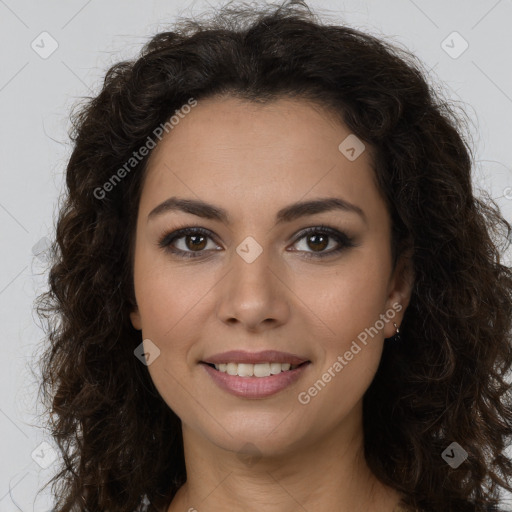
135 319
400 290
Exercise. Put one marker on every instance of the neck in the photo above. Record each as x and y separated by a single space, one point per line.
324 475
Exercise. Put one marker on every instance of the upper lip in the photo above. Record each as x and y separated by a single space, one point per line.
265 356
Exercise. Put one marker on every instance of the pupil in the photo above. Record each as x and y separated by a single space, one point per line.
318 236
194 237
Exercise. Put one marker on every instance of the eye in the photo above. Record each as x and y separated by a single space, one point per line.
196 236
195 241
317 238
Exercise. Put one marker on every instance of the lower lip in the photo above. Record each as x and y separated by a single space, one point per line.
255 387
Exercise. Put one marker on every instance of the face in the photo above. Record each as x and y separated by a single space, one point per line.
254 279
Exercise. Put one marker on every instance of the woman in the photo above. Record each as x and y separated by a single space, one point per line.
273 287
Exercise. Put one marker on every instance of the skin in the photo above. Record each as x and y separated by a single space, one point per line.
253 160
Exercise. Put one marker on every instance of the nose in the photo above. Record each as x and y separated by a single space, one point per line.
254 293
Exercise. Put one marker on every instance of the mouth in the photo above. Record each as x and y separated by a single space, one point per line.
255 380
265 369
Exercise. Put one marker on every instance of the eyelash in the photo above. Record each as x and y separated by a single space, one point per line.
343 239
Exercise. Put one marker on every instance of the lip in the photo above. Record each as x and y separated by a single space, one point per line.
265 356
255 387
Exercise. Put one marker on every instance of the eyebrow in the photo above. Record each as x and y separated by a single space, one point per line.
286 214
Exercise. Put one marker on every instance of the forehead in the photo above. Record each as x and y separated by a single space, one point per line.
257 156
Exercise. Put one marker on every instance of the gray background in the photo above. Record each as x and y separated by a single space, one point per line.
36 95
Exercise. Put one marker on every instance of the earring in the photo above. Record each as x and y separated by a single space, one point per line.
396 337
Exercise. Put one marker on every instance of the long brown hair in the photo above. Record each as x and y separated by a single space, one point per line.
444 382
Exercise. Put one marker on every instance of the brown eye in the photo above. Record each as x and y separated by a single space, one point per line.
195 243
196 240
318 242
318 239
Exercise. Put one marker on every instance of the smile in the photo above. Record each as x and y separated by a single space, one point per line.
258 380
256 370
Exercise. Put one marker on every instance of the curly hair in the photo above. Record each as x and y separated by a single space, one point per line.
445 381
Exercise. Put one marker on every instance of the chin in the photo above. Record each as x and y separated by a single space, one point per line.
252 437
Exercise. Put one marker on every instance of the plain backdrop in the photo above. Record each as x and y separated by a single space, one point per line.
55 52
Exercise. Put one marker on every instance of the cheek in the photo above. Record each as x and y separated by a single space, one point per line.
166 294
340 386
349 350
169 313
347 306
347 299
169 304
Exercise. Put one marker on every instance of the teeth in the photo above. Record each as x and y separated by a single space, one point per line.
254 370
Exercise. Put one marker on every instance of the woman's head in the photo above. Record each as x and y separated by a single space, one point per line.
257 280
278 111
